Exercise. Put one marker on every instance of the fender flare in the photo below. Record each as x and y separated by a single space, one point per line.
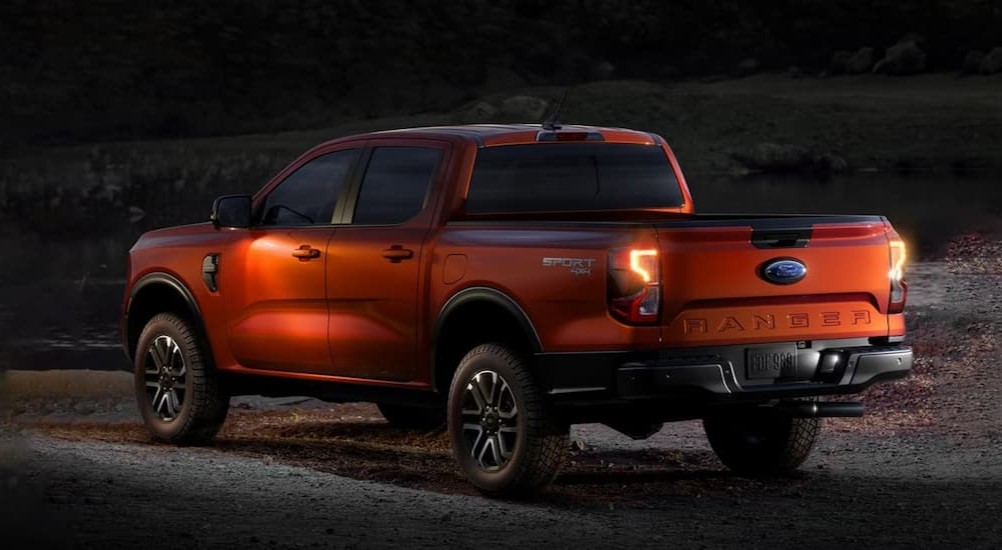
163 278
482 294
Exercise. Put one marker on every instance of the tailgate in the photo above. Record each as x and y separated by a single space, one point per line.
718 288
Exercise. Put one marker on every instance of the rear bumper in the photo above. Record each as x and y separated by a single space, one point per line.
863 368
718 375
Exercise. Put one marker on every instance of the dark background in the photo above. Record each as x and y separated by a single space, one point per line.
77 71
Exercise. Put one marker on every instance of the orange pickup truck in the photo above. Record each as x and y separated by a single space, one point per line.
507 281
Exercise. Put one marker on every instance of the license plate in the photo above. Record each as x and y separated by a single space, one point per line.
771 361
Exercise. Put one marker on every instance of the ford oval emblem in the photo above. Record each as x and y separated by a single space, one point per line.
784 271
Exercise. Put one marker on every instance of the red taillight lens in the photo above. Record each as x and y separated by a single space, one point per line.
635 285
896 275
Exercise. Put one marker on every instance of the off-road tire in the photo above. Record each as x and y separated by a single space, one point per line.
431 419
205 402
761 441
541 439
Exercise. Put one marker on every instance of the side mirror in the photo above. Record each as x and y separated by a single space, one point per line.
231 211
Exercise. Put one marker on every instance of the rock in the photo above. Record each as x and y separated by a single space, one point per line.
903 58
830 163
839 62
481 112
992 63
84 408
860 62
136 214
972 62
502 78
525 107
748 66
773 157
603 70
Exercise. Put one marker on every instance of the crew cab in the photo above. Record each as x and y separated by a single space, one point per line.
506 282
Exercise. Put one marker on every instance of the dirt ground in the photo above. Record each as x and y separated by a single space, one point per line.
923 468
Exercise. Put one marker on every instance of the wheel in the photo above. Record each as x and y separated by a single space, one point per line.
761 441
503 436
413 418
179 395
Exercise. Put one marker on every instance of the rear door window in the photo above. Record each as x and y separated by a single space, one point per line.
395 184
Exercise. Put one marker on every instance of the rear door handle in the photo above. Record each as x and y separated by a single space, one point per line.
397 253
305 252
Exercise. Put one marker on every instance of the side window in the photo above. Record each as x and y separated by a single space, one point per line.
308 195
395 184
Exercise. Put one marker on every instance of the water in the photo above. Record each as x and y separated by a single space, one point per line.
927 211
61 290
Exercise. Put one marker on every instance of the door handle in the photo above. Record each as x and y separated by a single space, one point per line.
397 253
305 252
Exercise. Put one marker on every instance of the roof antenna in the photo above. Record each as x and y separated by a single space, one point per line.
553 122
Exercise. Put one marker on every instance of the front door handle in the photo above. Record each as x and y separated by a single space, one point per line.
397 253
305 252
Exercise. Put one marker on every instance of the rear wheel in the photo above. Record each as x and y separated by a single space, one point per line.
180 397
413 418
761 441
503 436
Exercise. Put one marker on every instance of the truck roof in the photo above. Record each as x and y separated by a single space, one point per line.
487 135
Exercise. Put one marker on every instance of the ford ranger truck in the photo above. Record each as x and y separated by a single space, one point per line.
506 282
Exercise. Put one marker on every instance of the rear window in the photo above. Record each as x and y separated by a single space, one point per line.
571 176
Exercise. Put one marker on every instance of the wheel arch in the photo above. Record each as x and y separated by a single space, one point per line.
154 293
456 333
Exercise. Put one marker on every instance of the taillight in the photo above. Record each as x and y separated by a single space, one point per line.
635 285
896 275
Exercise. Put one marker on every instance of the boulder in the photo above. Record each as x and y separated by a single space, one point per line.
992 63
839 62
502 78
860 62
748 66
774 157
524 107
903 58
603 70
481 112
972 62
830 163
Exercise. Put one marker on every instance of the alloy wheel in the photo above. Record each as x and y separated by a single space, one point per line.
166 377
490 420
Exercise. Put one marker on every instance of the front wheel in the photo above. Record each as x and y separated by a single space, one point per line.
180 397
761 441
504 438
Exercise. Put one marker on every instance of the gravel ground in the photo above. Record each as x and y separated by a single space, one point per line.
923 468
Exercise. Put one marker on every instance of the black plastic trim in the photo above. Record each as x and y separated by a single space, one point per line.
765 222
488 294
179 287
786 238
712 374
